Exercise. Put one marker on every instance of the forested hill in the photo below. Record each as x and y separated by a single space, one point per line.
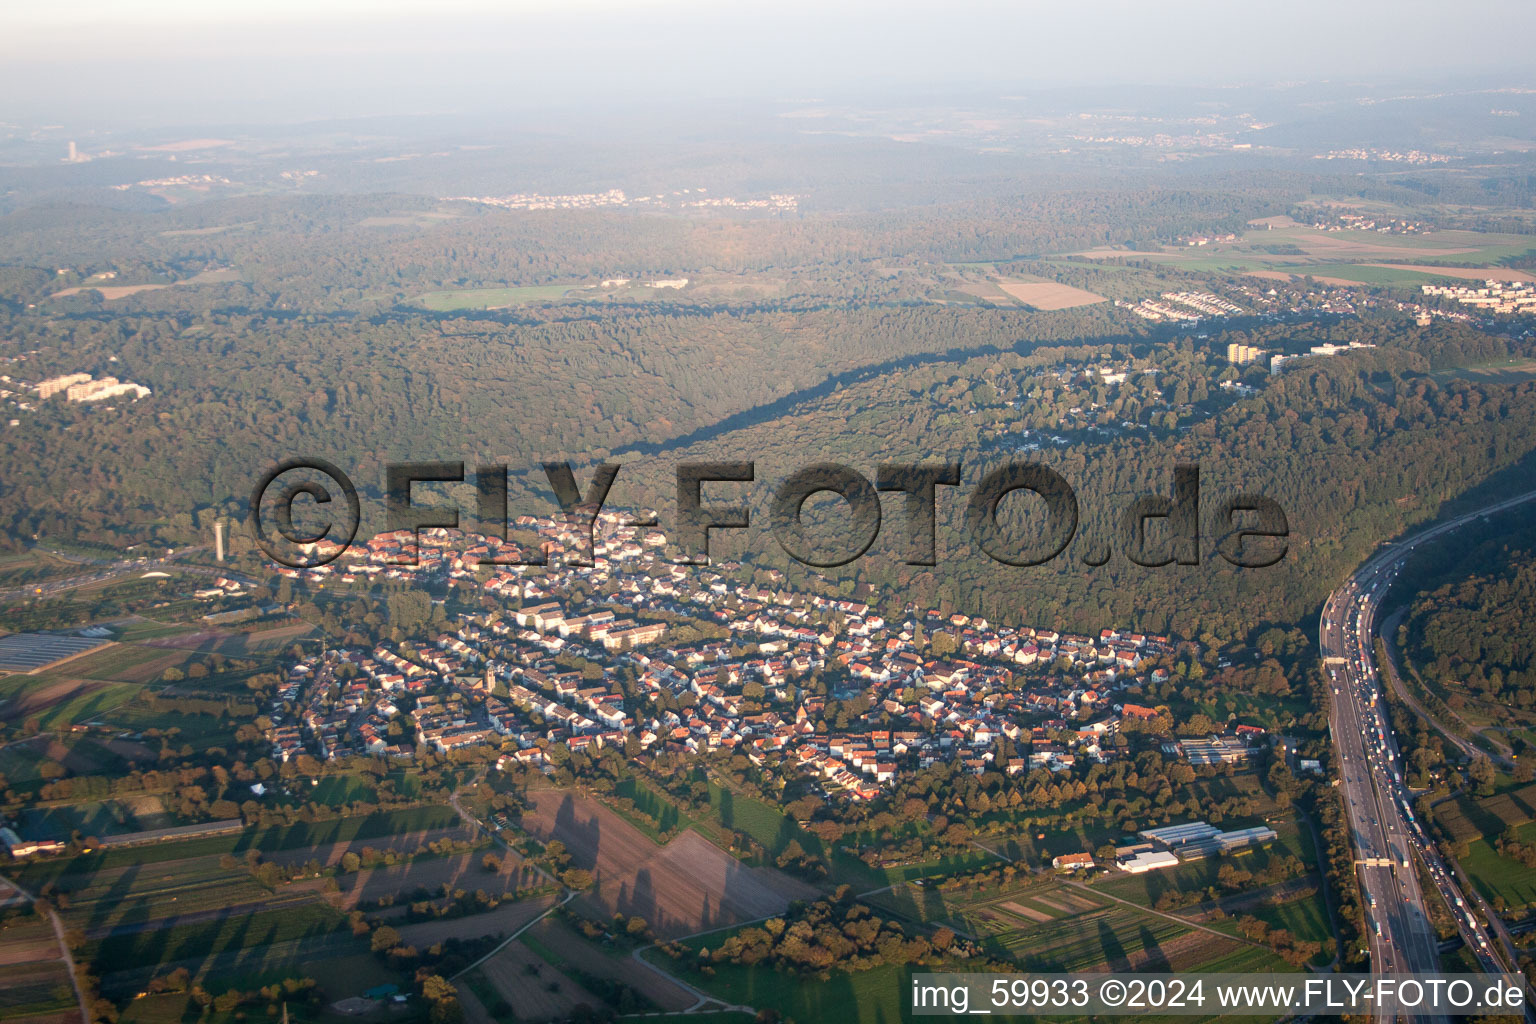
1354 449
236 393
267 329
334 252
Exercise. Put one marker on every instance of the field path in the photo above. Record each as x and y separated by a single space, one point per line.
570 895
701 998
478 827
704 998
68 958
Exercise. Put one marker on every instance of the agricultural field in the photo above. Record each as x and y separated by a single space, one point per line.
430 874
147 910
685 886
994 910
716 286
39 987
1461 273
1304 915
24 935
1043 924
109 292
401 218
49 694
128 900
137 630
1467 818
866 997
233 644
407 840
23 762
519 978
770 826
1048 295
34 980
490 298
1114 937
335 790
326 841
102 688
560 944
263 940
552 968
1502 878
504 920
1290 250
775 830
1507 371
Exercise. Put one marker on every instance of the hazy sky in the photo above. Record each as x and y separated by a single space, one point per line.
277 59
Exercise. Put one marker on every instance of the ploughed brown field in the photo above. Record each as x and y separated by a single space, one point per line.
1027 912
1048 295
686 886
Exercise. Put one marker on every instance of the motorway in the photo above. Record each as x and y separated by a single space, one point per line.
106 571
1386 835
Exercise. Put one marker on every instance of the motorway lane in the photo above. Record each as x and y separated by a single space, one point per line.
1386 836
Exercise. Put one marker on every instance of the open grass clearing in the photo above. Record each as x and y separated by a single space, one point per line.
490 298
1048 295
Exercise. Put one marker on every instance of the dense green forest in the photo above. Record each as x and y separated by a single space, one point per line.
334 252
1472 632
